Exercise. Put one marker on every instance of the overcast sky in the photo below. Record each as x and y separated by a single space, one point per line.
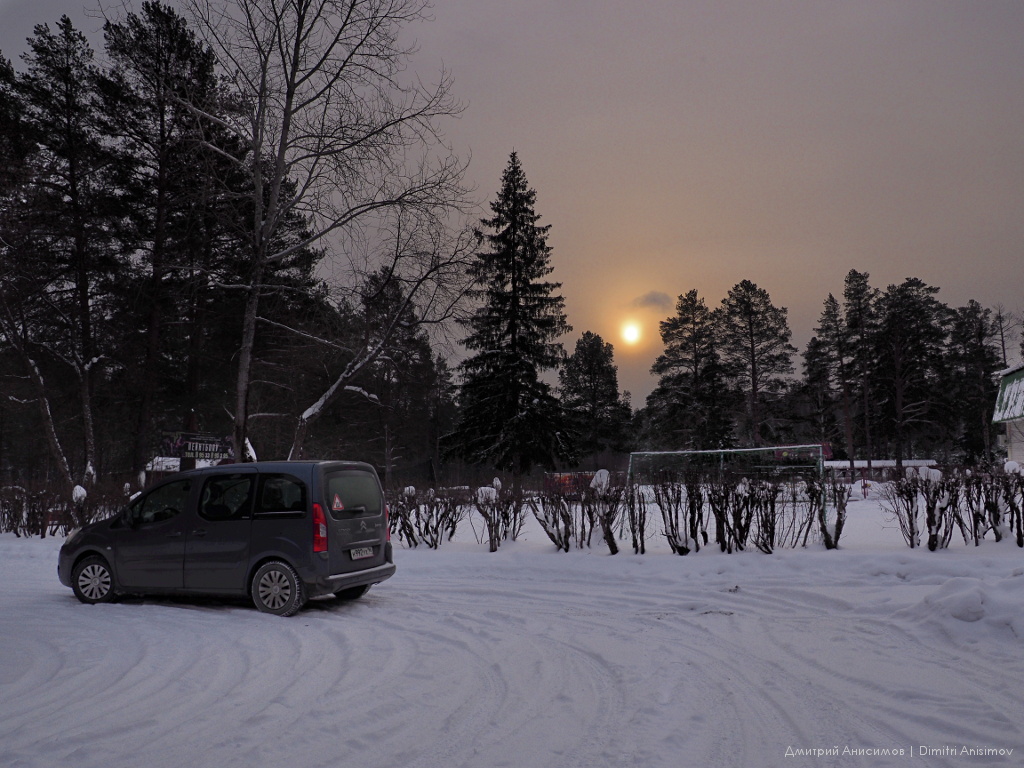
677 145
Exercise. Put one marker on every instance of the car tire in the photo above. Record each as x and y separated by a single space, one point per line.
92 580
352 593
277 589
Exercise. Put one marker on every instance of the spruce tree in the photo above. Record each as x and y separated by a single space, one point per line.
510 419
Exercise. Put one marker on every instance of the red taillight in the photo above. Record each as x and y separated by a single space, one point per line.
319 529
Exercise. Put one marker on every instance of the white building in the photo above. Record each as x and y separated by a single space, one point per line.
1010 411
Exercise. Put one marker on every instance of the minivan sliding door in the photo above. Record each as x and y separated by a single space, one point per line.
217 544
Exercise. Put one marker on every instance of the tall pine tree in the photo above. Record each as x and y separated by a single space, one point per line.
860 313
815 403
691 402
975 357
589 384
58 260
510 419
832 351
911 378
755 346
158 73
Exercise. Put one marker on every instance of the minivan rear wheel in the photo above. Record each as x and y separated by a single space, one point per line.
92 580
277 589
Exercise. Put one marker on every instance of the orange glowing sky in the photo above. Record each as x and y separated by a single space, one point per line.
679 144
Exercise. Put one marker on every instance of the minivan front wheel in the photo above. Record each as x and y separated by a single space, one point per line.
277 589
92 581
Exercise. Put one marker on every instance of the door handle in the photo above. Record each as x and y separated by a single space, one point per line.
175 535
199 532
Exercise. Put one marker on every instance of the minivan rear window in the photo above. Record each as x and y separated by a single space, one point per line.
353 491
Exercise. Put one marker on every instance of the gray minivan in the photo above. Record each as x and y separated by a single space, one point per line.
279 532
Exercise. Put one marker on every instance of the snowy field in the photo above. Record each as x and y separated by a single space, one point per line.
530 657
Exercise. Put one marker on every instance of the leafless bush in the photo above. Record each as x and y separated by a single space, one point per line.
771 523
490 510
43 513
636 514
974 504
428 518
804 509
972 518
718 498
982 497
503 514
604 505
900 500
513 515
400 520
682 514
940 500
990 493
1012 487
836 496
671 500
555 515
733 511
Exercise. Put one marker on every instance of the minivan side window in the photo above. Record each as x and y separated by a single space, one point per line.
227 497
353 491
282 493
161 504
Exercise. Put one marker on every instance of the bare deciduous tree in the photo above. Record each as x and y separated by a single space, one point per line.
334 130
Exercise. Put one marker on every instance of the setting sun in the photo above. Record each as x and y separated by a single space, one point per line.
631 333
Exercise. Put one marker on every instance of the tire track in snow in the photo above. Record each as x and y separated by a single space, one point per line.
480 662
512 673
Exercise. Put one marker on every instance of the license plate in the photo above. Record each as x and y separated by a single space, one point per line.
361 553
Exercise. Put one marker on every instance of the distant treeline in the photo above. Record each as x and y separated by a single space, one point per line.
891 373
183 248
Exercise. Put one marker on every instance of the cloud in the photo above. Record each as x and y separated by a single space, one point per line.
656 299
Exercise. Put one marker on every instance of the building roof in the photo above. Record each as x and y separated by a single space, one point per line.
879 463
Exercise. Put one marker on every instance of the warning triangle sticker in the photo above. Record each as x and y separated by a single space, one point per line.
336 505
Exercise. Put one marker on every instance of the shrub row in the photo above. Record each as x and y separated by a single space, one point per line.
736 514
936 506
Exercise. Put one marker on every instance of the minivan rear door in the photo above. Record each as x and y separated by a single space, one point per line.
357 532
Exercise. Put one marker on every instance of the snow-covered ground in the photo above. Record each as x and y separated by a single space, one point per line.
530 657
